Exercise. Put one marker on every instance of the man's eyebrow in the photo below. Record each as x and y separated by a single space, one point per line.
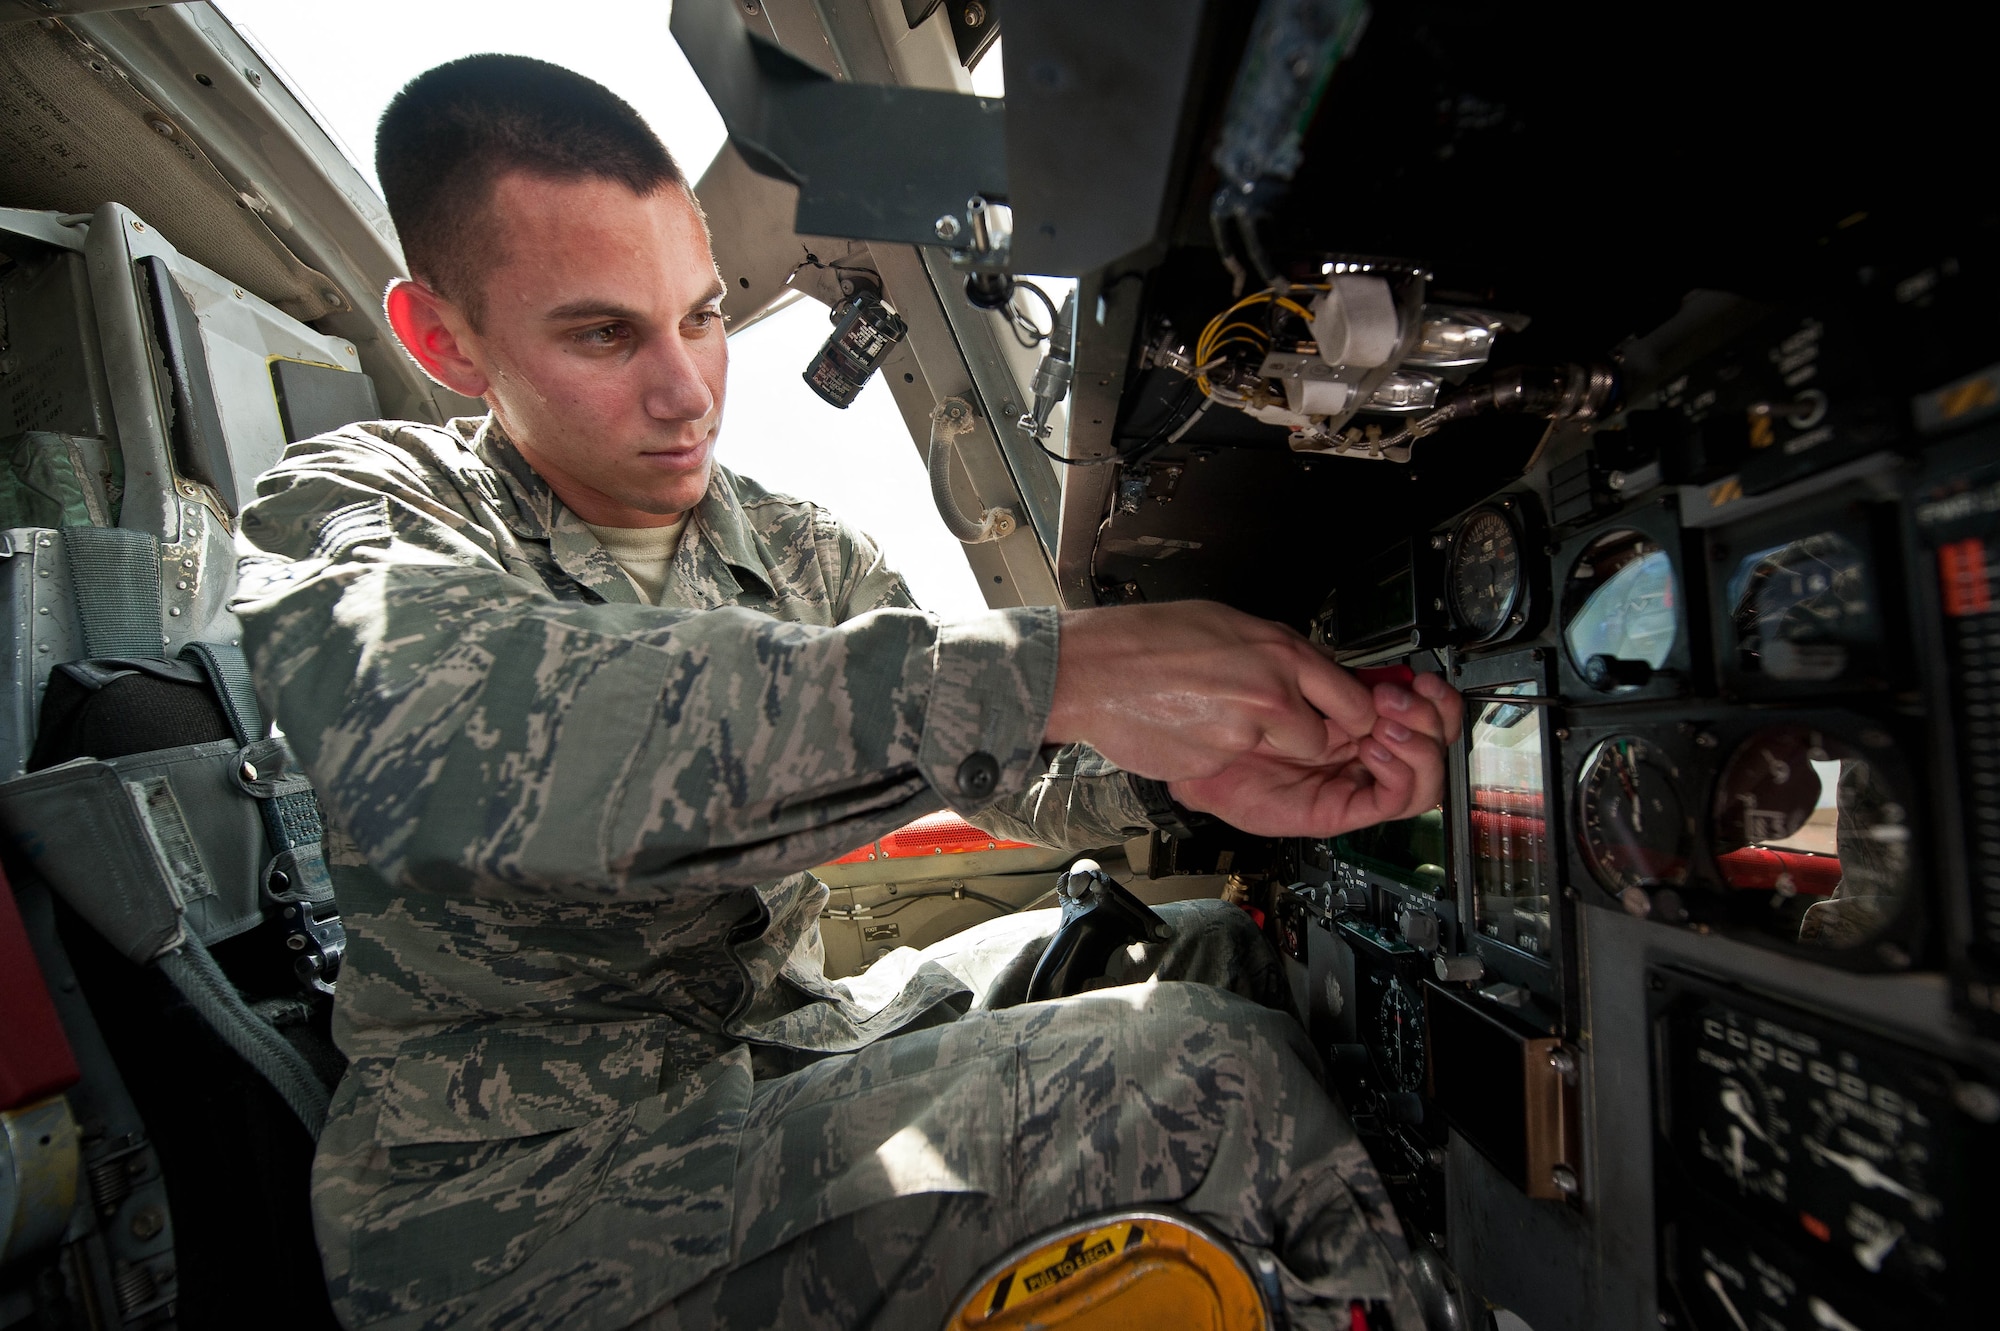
713 294
593 308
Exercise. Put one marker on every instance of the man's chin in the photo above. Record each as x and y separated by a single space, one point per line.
669 489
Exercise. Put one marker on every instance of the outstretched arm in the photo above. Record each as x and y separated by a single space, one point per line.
1249 721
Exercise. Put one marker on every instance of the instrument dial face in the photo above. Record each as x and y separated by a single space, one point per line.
1621 604
1400 1037
1629 813
1803 610
1485 574
1815 823
1834 1145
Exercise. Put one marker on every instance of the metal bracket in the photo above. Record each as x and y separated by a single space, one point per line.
871 161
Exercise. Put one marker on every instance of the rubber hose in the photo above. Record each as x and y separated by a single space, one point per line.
194 972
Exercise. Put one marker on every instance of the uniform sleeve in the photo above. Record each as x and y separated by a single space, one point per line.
466 727
1078 801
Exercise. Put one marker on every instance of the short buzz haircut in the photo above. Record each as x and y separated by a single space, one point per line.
456 129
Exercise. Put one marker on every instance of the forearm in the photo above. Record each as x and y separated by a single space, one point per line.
464 727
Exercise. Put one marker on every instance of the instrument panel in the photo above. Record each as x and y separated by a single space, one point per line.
1711 708
1789 829
1855 1168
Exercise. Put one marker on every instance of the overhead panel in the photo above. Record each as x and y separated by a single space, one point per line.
872 161
1094 108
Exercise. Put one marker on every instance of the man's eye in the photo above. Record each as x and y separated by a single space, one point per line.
702 320
609 335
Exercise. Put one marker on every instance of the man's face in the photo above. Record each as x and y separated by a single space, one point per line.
602 343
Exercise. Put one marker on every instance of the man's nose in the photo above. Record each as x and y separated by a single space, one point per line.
677 390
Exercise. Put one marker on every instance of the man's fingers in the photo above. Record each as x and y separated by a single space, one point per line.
1409 763
1394 702
1449 704
1340 697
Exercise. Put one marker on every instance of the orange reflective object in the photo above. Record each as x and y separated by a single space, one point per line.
943 833
1139 1269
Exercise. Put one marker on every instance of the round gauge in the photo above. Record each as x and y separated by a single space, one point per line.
1400 1037
1800 610
1621 610
1485 574
1629 814
1815 824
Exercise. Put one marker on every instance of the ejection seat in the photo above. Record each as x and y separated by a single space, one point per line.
163 848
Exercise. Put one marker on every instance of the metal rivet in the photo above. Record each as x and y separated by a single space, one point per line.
256 79
1564 1179
175 611
138 226
43 611
249 771
148 1222
187 563
947 227
43 647
295 943
181 586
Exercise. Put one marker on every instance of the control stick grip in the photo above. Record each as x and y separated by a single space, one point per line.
1099 916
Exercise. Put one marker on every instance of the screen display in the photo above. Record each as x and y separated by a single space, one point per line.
1409 849
1804 610
1511 874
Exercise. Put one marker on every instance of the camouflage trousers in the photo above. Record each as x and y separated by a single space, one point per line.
1191 1085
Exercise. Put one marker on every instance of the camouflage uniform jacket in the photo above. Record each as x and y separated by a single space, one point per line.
571 834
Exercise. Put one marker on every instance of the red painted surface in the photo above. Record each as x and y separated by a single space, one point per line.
35 1058
1758 868
939 834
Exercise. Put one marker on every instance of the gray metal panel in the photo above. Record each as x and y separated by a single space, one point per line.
1000 397
269 147
944 368
1107 319
1094 108
39 630
1522 1254
874 161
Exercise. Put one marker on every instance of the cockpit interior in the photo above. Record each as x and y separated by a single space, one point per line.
1634 370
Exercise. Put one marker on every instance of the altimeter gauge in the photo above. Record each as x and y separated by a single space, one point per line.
1485 577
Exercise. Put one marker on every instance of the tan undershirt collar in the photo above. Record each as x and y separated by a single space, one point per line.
643 552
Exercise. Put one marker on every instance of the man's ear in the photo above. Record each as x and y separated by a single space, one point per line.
432 330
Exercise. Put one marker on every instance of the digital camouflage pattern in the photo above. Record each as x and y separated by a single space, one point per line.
582 951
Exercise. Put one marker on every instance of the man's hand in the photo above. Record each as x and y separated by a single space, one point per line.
1247 720
1396 771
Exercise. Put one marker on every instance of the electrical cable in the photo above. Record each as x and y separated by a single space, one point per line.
1021 320
956 893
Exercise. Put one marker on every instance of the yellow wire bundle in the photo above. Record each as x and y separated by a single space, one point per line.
1221 332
